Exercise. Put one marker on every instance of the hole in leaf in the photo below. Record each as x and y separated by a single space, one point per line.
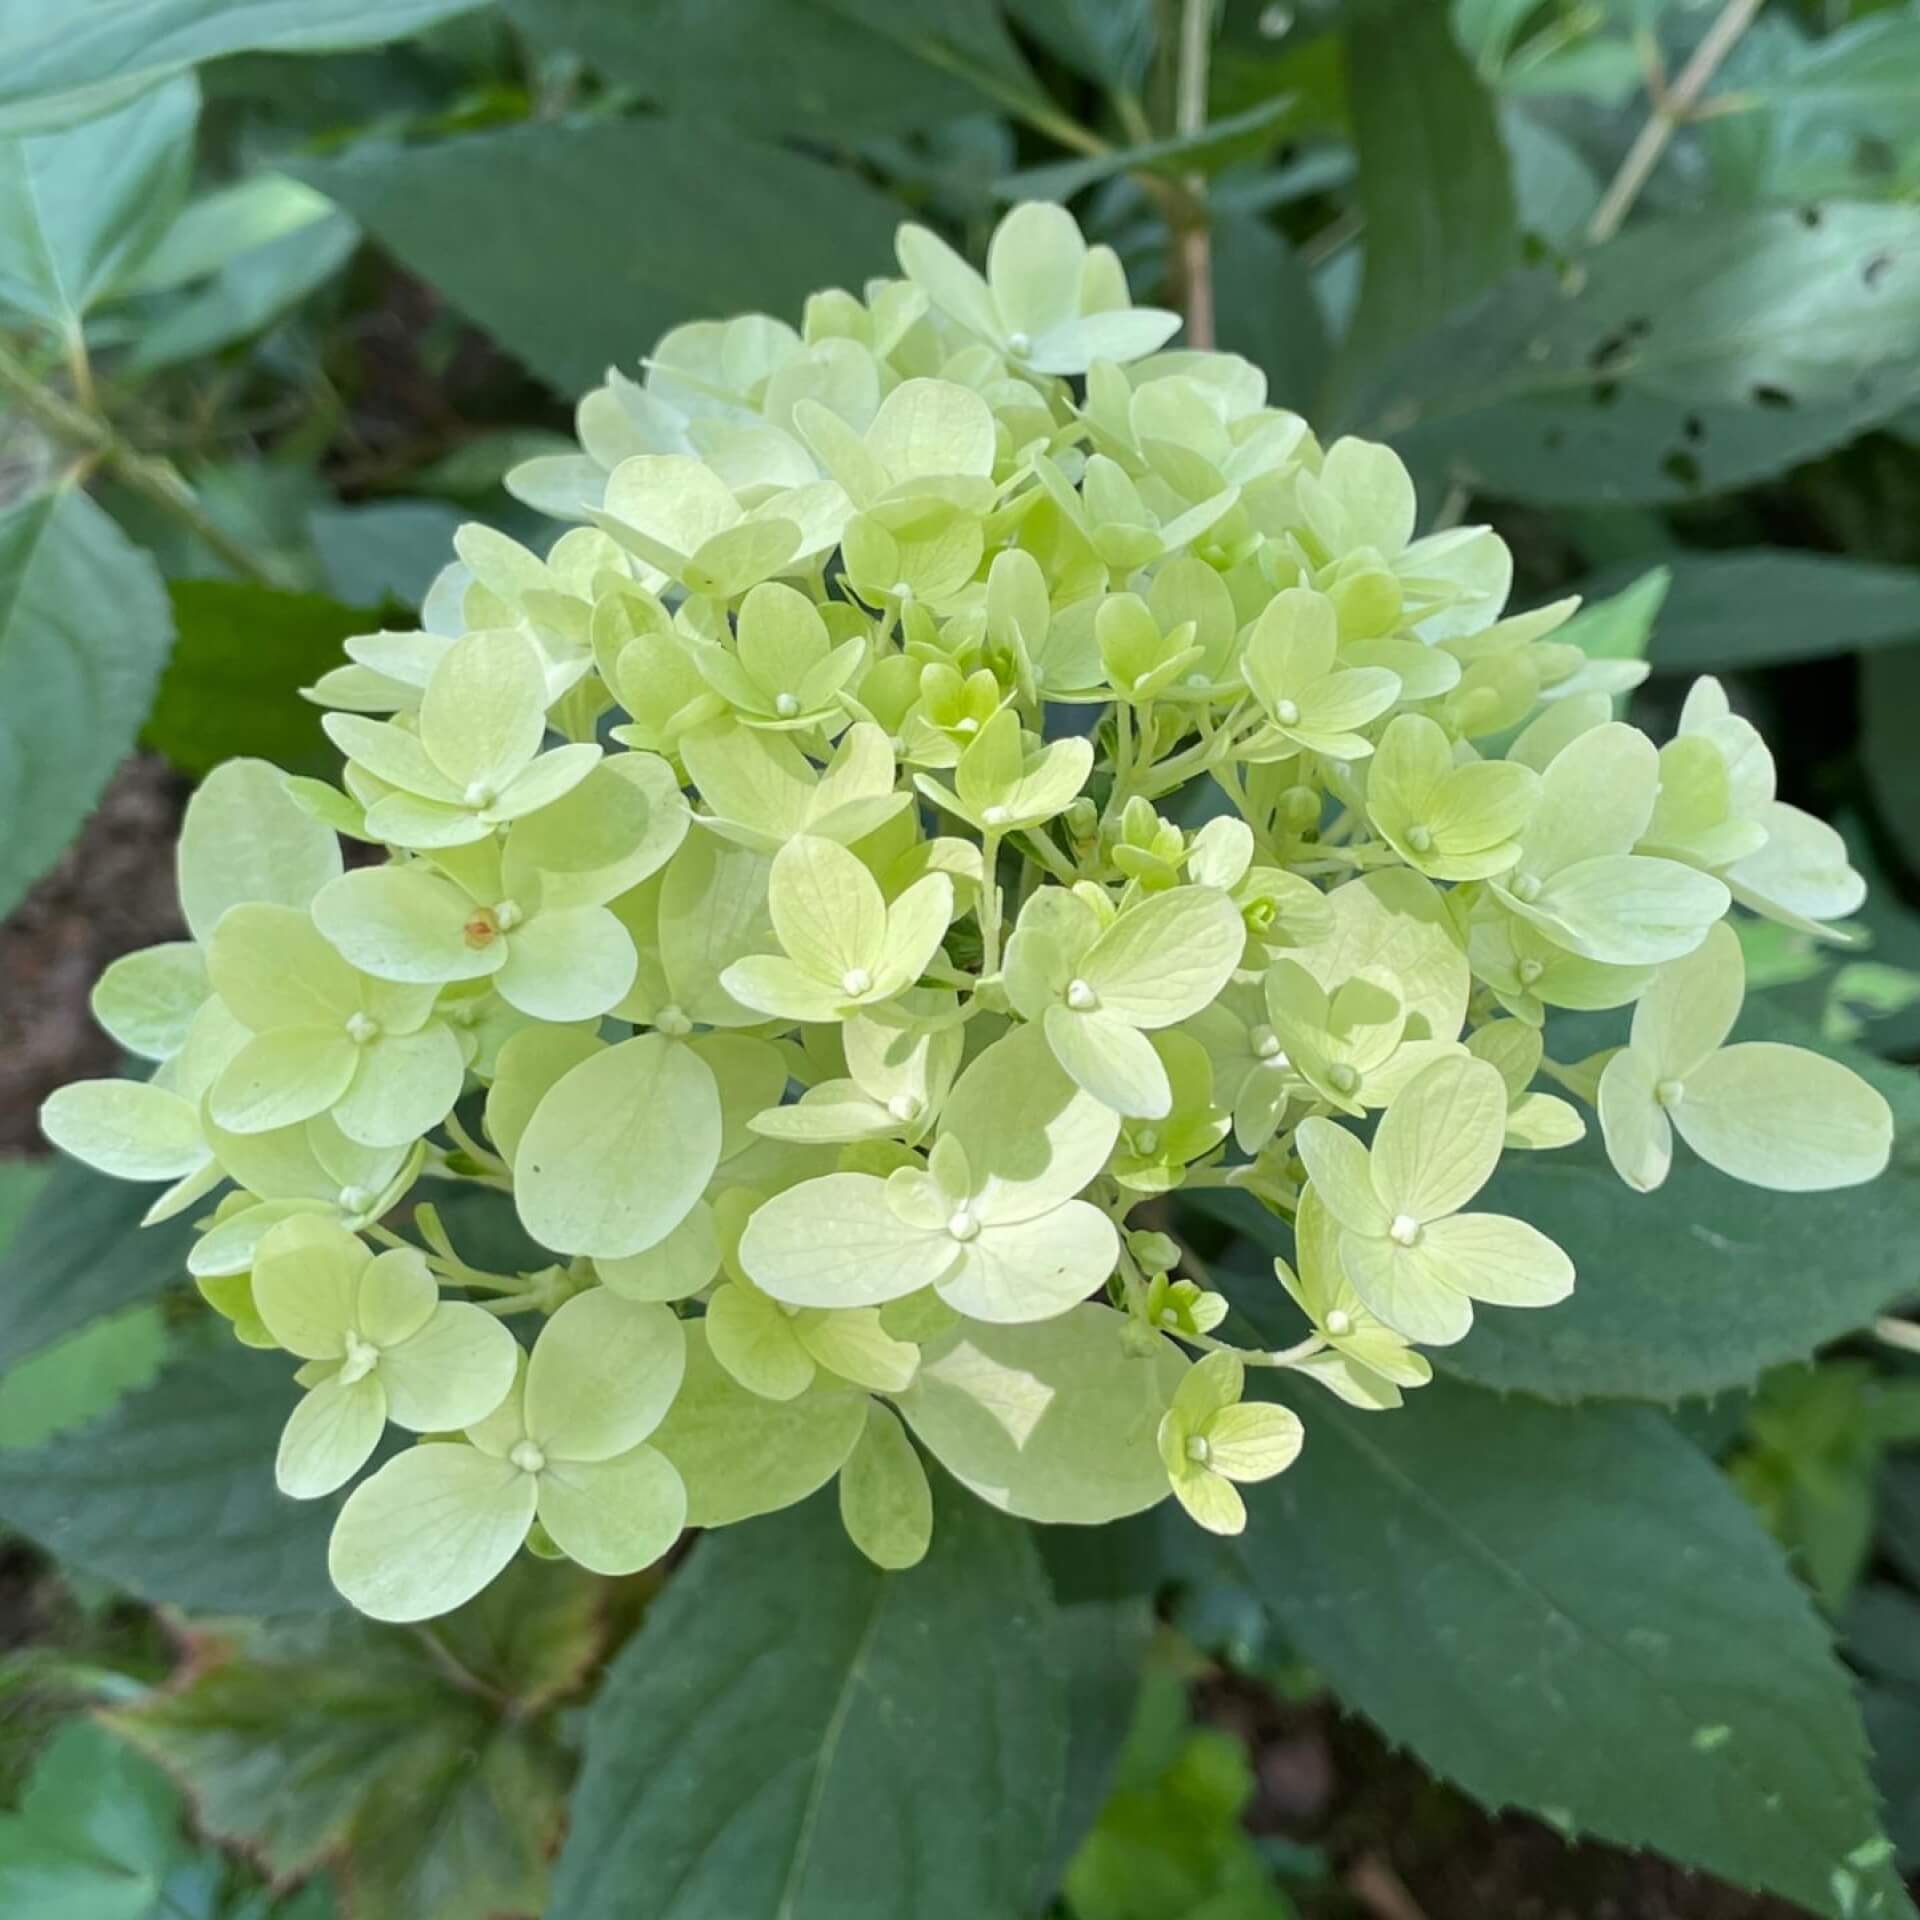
1810 217
1764 395
1682 468
1874 156
1694 428
1605 392
1876 269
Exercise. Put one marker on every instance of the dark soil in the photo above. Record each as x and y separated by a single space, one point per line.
111 892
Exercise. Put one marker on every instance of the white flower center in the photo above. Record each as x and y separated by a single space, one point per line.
528 1457
1146 1141
856 981
362 1357
994 816
1670 1093
903 591
671 1021
1342 1077
963 1226
1019 343
786 705
1266 1046
1420 839
904 1108
1081 997
1287 712
354 1199
1405 1230
1531 970
362 1029
507 915
1199 1449
1339 1322
479 794
1524 886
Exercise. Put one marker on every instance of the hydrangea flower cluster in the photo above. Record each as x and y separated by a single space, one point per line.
969 772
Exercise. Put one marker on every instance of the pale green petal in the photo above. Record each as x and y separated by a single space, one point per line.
1053 1421
1501 1261
603 1374
828 913
529 1065
546 780
1211 1500
947 280
1034 263
1112 1060
406 1084
620 825
406 923
306 1284
916 924
1342 1175
1167 958
1414 1295
429 1531
755 1339
483 712
771 984
147 1000
125 1128
274 968
281 1078
1254 1441
852 1343
740 1455
837 1242
1691 1006
886 1504
1594 799
1440 1139
1802 876
1544 1120
1033 1269
619 1150
452 1373
246 838
1031 1137
675 1268
573 965
1784 1118
614 1516
1397 921
396 1297
394 755
1625 909
330 1436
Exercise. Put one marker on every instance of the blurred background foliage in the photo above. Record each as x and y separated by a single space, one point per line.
284 292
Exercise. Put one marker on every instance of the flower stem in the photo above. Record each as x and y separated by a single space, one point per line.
153 479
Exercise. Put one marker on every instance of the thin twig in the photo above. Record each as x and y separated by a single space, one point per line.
1194 234
1670 111
154 479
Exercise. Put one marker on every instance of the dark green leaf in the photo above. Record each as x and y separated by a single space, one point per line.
66 63
78 1380
1705 1283
385 550
233 684
20 1184
840 67
84 632
564 273
171 1495
1619 626
1106 40
1571 1611
97 1837
795 1732
80 1254
1766 606
1240 137
1434 187
1889 707
421 1764
1265 307
80 208
1689 356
